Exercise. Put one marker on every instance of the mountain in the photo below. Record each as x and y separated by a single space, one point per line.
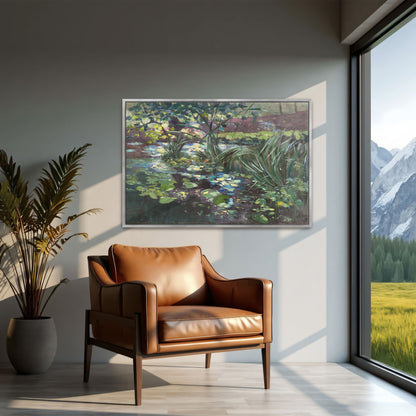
379 158
394 151
393 194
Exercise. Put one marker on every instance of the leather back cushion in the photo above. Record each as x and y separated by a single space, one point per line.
177 271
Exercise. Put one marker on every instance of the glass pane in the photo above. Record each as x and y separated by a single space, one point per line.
393 200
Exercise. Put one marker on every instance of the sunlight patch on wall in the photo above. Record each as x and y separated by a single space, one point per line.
302 280
319 179
317 94
107 196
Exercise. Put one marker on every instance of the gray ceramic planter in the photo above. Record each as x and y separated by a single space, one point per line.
31 344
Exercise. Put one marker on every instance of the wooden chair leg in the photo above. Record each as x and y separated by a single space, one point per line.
265 355
208 360
137 363
87 348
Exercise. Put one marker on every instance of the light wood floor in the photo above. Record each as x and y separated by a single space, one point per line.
172 388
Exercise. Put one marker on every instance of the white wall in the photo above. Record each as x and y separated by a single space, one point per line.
66 66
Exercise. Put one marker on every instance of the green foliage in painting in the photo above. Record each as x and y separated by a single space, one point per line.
278 167
174 147
204 121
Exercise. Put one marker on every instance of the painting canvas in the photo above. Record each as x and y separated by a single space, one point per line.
216 163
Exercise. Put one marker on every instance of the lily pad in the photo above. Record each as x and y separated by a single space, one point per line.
221 199
167 186
210 193
260 218
166 199
189 185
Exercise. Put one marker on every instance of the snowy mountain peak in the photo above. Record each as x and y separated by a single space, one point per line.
408 151
393 196
379 158
398 169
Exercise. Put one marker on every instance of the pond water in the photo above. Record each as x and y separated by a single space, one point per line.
224 182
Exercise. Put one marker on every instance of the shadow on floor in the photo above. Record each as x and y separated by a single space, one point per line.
50 386
323 400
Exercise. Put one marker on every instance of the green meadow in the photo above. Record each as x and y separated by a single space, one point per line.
393 321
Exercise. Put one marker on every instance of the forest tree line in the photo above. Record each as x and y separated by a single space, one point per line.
392 260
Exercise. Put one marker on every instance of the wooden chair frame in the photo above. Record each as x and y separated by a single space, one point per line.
138 357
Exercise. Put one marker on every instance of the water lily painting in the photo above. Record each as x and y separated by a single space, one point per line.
224 163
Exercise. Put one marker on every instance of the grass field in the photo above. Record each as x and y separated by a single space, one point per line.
393 321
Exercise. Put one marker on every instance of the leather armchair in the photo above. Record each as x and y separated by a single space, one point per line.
158 302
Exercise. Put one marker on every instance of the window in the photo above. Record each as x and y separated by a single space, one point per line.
383 199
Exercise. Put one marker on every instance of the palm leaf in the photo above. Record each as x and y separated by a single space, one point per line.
15 203
57 186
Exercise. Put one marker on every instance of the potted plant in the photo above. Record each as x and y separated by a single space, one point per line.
33 232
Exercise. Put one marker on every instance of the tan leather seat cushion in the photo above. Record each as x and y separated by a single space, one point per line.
199 322
176 271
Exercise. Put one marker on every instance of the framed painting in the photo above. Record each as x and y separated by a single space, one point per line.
227 163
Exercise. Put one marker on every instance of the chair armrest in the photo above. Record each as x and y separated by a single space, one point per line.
129 298
141 297
105 294
249 293
125 299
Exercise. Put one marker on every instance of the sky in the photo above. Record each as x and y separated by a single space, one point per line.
393 89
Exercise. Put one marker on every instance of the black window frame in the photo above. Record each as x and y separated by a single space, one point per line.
360 290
